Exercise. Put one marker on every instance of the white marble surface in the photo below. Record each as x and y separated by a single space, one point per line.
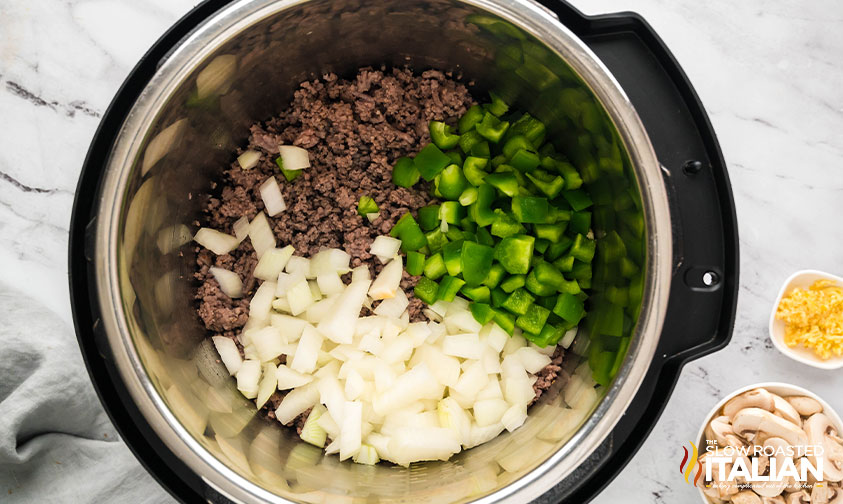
769 74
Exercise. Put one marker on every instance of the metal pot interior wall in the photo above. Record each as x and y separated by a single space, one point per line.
185 144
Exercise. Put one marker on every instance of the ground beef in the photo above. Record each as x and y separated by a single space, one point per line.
548 375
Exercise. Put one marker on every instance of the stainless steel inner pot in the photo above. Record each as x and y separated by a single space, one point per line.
242 65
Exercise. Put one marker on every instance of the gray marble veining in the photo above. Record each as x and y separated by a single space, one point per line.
769 74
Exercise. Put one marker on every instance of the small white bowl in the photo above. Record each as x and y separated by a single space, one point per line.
802 279
782 389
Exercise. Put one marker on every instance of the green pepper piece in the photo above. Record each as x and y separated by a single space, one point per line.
619 356
524 161
515 253
429 217
469 140
448 288
514 144
436 239
290 175
484 237
491 128
551 232
455 234
570 286
518 302
580 222
530 209
426 290
541 245
556 250
474 169
498 297
471 117
455 157
366 205
482 312
572 177
405 173
479 293
533 129
452 252
578 199
468 196
580 271
441 136
451 212
612 247
602 367
569 308
498 107
498 160
565 264
513 282
452 182
467 224
481 150
495 275
507 183
533 285
415 263
584 283
533 321
546 183
434 266
476 261
505 320
409 232
548 274
583 249
481 211
549 335
505 225
430 161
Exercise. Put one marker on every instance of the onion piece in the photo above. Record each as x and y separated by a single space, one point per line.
372 216
215 241
296 402
385 247
229 354
272 198
249 159
261 303
268 342
489 411
304 361
299 266
299 297
339 325
268 384
329 260
248 377
229 281
261 234
532 360
568 338
293 158
466 346
312 432
393 307
514 417
241 228
351 429
289 379
330 283
291 327
272 262
388 281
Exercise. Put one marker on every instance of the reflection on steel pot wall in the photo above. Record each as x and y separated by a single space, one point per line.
241 66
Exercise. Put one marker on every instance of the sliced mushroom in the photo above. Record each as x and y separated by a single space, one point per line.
785 410
774 488
725 489
756 398
820 431
793 484
778 499
806 406
800 497
763 463
720 430
709 487
746 497
836 496
757 425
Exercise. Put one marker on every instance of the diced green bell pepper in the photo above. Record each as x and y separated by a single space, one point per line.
580 271
480 293
601 367
484 237
498 106
569 307
578 199
436 239
507 183
549 335
482 312
565 263
405 173
455 156
541 245
430 161
498 297
290 175
551 232
429 217
449 286
533 285
495 275
583 249
469 140
505 225
617 295
468 196
556 250
476 261
533 129
366 205
513 282
415 263
409 232
628 267
518 302
451 212
505 320
570 286
434 267
491 128
452 253
474 169
452 182
530 209
515 253
454 234
524 161
534 320
481 150
514 144
440 134
612 247
498 160
548 184
467 224
481 211
548 274
580 222
471 117
426 290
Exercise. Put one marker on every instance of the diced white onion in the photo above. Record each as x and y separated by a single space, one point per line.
385 247
372 216
394 306
330 283
249 159
229 354
268 342
272 198
298 266
289 379
307 351
339 325
466 346
293 158
248 377
568 338
351 429
272 262
229 281
216 242
296 402
261 235
299 297
328 261
268 384
241 228
388 281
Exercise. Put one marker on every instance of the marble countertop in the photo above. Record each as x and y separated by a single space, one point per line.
769 74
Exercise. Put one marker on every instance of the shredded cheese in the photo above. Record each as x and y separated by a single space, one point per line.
813 318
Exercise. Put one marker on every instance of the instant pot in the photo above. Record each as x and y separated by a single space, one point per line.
615 102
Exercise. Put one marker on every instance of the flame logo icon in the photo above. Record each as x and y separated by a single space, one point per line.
691 461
